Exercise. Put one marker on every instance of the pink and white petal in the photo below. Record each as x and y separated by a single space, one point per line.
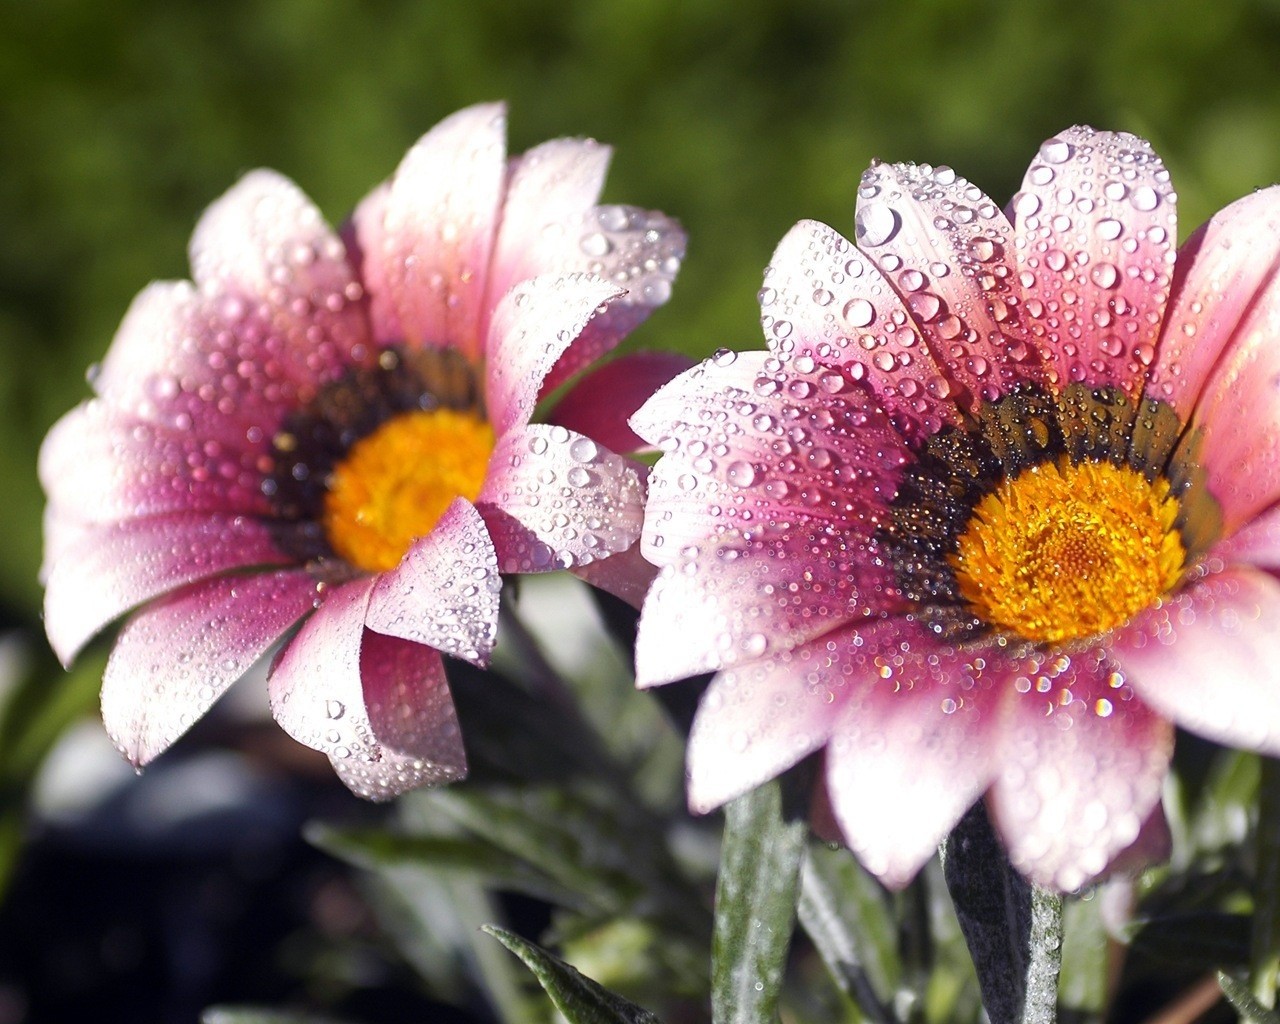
1096 226
1081 764
626 575
555 499
921 734
948 251
638 250
600 403
1206 658
824 302
109 468
177 656
1257 543
444 593
532 326
1225 271
758 719
415 739
264 244
550 189
120 566
438 229
1238 417
363 234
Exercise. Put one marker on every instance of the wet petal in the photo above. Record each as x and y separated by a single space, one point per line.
947 249
532 326
920 735
437 229
365 233
1081 766
824 302
1096 227
600 404
555 499
411 719
444 593
1256 543
1225 270
118 567
626 575
178 655
1206 658
108 468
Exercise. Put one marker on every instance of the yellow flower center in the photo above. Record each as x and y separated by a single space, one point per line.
395 484
1065 551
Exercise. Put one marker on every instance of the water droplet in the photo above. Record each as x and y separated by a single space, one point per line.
1145 198
1055 151
741 473
859 313
876 224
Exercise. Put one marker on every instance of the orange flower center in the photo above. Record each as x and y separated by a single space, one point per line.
1066 551
393 485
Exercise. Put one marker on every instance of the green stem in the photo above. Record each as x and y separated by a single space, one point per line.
1264 957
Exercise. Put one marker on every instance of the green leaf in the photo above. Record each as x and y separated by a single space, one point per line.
845 913
576 996
1014 929
258 1015
764 841
1242 1000
1264 960
1086 952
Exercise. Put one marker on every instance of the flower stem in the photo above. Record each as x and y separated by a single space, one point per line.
1264 960
1013 928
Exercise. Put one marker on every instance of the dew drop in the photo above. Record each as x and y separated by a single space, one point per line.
859 312
876 224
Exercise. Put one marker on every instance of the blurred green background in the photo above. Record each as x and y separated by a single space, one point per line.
121 121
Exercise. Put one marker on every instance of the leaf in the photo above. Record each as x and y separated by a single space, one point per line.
1242 1000
844 912
258 1015
756 902
1264 960
576 996
1014 929
1086 954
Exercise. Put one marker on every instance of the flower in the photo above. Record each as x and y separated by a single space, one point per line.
336 431
997 507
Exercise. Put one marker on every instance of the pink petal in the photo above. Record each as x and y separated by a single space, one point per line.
626 575
411 719
1206 658
109 468
436 235
758 719
825 302
444 593
1096 227
556 499
1081 766
600 404
1237 416
366 232
179 654
920 735
551 189
917 220
532 326
1224 271
118 567
1256 543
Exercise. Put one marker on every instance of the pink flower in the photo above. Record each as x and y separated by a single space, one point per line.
995 510
337 432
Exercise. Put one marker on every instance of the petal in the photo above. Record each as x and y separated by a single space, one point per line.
1237 418
1224 271
626 575
1096 225
556 499
602 401
1206 658
1081 762
758 719
532 326
1256 543
437 230
825 302
178 655
444 593
112 569
947 249
366 233
921 735
109 468
411 719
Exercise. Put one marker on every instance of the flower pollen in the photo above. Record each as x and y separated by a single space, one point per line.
1064 551
394 484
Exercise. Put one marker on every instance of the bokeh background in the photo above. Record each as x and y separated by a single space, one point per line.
121 121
